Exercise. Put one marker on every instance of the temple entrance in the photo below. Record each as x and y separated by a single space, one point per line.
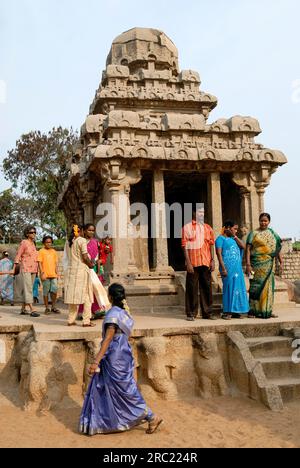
189 188
181 189
186 188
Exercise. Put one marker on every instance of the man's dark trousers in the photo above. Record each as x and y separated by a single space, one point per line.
198 284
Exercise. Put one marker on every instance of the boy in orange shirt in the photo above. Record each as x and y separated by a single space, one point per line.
48 266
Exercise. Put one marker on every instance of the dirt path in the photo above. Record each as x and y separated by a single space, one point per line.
223 422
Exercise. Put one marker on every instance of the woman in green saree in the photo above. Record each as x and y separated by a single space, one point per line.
263 247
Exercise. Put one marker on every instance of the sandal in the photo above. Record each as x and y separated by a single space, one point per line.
226 316
154 425
55 311
34 314
24 311
74 324
89 325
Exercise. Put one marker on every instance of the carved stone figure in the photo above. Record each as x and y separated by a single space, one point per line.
209 366
155 351
44 376
92 348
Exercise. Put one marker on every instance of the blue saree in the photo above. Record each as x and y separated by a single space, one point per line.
113 402
235 298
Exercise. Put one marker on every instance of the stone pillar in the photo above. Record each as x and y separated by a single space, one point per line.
160 242
215 202
245 210
261 198
120 240
250 207
116 192
88 210
261 180
255 211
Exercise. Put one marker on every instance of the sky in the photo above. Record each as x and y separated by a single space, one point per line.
52 54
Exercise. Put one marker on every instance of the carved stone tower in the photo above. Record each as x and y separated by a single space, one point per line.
147 139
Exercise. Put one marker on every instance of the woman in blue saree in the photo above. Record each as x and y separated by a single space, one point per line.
230 253
113 402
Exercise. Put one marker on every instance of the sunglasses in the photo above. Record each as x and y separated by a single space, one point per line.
32 232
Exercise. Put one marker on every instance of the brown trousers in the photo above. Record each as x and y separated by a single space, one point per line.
198 283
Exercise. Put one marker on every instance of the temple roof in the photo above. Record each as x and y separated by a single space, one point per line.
144 45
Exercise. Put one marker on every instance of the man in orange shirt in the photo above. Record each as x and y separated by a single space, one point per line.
198 245
48 266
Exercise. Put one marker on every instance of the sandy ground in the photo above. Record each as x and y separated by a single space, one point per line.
220 423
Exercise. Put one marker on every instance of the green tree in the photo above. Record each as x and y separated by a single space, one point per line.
16 212
38 167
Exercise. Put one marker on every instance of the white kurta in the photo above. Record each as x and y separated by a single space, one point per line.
78 285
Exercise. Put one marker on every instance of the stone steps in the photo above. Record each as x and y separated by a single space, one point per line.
163 296
289 388
159 300
268 346
274 353
280 367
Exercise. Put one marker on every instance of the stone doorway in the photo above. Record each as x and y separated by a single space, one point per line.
183 188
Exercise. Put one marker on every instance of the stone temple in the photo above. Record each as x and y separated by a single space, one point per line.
147 138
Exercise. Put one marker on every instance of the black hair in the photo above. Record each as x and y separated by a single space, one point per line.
229 223
117 293
86 226
72 235
265 215
197 206
27 230
45 238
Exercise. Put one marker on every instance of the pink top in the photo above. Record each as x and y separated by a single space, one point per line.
27 256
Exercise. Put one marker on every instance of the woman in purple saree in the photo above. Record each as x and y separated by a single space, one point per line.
113 402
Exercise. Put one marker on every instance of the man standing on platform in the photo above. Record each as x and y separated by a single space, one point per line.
198 246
